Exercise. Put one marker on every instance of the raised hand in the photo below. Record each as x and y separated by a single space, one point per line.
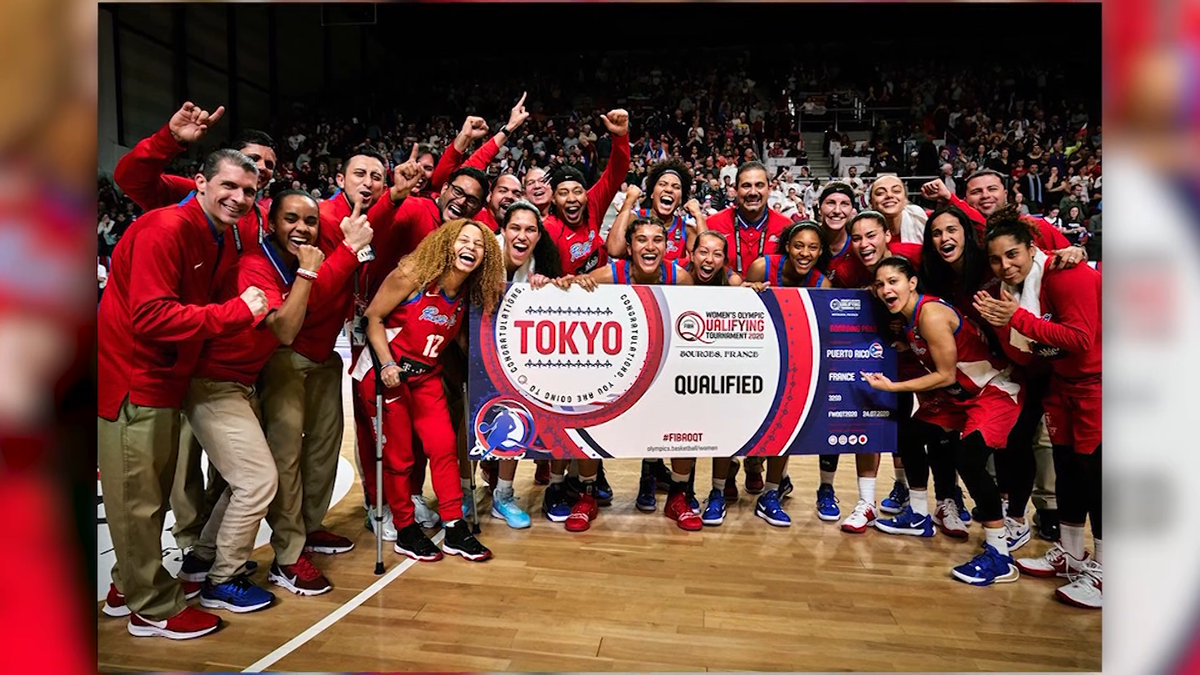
310 257
633 193
406 177
935 190
692 207
473 129
190 123
356 230
617 122
256 300
518 115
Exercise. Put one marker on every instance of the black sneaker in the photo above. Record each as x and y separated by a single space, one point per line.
662 475
1046 522
646 500
604 493
412 542
460 541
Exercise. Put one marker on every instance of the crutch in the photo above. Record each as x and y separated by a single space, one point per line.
378 462
467 425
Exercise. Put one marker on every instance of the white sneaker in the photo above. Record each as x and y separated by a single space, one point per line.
425 516
1018 534
1056 563
862 517
1086 589
946 517
389 526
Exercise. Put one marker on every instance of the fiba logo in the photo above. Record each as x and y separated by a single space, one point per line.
845 305
875 350
504 429
690 327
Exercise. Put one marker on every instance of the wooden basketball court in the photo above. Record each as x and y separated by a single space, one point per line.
635 593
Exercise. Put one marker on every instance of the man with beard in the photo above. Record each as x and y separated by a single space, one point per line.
577 214
750 226
506 189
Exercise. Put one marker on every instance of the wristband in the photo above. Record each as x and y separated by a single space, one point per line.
389 364
504 130
306 274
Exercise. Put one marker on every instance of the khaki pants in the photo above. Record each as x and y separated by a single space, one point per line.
191 500
302 407
137 455
1043 483
224 417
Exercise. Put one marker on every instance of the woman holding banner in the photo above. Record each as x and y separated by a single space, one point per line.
417 310
799 257
966 390
646 241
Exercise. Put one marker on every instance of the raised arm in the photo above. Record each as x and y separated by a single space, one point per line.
615 243
287 317
601 194
140 173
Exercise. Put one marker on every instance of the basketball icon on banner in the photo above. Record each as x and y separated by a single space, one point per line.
504 428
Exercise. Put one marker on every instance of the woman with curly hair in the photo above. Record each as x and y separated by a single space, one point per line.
670 185
417 310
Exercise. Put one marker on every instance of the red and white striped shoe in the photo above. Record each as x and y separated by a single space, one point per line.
860 519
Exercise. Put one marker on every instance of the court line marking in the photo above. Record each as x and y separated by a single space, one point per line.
336 615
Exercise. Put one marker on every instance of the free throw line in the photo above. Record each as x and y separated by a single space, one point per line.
336 615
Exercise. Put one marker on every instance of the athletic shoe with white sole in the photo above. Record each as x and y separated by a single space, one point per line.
239 595
1086 589
860 519
327 543
412 541
827 504
907 522
947 517
504 506
194 568
189 623
987 568
425 516
389 526
714 508
896 500
460 541
1056 563
114 603
679 510
767 507
302 577
1018 533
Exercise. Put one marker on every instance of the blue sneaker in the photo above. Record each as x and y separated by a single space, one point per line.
1019 534
646 500
987 568
604 491
896 500
964 514
468 502
827 504
504 505
236 595
714 508
555 504
785 487
907 522
692 501
769 510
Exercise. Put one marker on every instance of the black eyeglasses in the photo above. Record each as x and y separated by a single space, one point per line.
471 201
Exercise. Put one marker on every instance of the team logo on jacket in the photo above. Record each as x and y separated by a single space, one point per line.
576 353
432 315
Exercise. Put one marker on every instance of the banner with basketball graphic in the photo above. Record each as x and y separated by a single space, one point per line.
661 371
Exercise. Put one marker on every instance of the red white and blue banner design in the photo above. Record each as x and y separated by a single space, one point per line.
661 371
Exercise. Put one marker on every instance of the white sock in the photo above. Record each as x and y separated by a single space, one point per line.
866 490
679 477
901 477
718 483
587 479
998 538
919 501
1099 557
502 484
772 486
557 478
827 477
466 483
1072 540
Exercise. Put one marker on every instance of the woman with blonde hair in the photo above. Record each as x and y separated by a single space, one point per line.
417 310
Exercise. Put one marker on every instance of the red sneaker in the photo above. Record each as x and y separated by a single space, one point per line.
541 475
582 514
754 482
324 541
114 603
189 623
190 588
301 578
681 512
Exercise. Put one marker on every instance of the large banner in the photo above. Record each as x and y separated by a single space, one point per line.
661 371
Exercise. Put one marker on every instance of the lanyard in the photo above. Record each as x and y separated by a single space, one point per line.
237 239
739 224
